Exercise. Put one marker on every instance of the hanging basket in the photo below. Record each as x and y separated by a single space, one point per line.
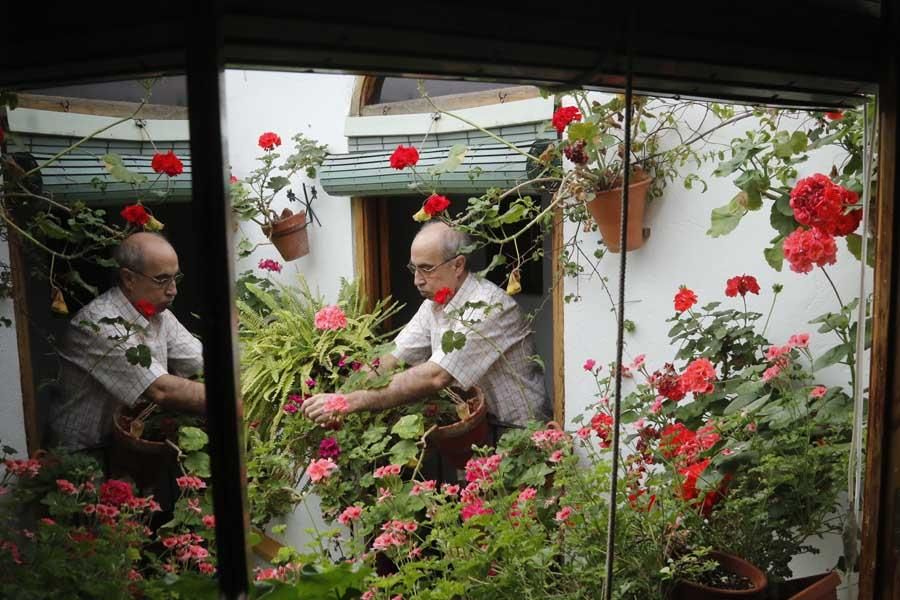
289 234
687 590
815 587
455 441
606 208
142 460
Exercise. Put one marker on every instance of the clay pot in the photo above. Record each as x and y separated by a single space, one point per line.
289 235
606 208
455 441
142 460
815 587
686 590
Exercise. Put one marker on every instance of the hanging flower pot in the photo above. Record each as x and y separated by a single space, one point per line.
752 581
289 234
134 455
455 441
815 587
606 208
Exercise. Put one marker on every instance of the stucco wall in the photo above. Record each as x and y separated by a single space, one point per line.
12 420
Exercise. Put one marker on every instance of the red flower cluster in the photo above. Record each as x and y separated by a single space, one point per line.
435 204
602 424
167 163
135 214
742 284
834 115
684 299
329 448
267 264
806 247
698 377
115 492
443 295
565 115
820 203
668 383
404 156
269 140
146 308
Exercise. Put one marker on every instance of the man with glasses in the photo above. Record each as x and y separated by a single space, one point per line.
496 354
96 374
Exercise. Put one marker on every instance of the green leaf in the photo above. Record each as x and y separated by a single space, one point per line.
139 355
454 159
192 438
832 356
724 219
403 451
496 261
854 245
775 254
278 182
118 170
452 340
781 222
197 463
753 183
409 427
582 131
744 401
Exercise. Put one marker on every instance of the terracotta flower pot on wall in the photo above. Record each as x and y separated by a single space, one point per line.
455 441
687 590
606 208
815 587
289 235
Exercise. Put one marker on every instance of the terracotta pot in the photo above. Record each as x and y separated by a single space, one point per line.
455 441
816 587
606 208
686 590
289 235
142 460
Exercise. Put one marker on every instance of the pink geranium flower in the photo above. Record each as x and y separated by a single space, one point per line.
818 391
799 340
330 318
350 514
336 404
320 469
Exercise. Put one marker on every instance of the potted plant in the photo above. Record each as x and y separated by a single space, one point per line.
461 424
253 196
733 578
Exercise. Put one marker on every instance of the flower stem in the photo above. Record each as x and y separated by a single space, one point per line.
769 316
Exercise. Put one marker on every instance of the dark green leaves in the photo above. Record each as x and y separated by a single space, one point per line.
139 355
452 340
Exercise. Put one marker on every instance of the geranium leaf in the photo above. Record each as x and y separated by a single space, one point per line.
192 438
118 170
775 254
832 356
454 159
409 427
724 219
197 463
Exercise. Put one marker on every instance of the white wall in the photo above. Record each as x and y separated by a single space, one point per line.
291 103
12 418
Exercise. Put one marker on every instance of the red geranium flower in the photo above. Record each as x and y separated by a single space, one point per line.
167 163
834 115
435 204
684 299
135 214
269 140
404 156
698 376
742 284
146 308
443 295
819 202
565 115
115 492
668 383
806 247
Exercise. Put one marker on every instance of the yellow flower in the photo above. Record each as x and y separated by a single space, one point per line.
58 302
421 216
514 286
153 225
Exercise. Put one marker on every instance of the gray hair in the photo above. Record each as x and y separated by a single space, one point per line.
453 243
130 255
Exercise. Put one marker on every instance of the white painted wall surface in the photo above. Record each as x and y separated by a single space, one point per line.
291 103
12 418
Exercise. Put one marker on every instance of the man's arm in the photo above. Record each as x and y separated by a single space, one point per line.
178 394
405 387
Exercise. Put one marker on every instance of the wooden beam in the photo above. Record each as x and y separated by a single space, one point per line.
106 108
557 242
19 275
878 560
452 101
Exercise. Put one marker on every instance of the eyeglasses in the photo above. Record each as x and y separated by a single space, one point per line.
426 271
162 280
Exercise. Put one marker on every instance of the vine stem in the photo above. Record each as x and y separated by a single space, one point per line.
833 287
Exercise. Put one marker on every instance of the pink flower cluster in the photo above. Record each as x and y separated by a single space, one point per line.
267 264
807 247
66 487
563 515
350 514
279 573
698 377
189 482
548 439
780 356
482 468
331 318
394 533
23 468
387 471
320 469
329 448
418 488
336 404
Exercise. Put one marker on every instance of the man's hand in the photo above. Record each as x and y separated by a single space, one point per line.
316 407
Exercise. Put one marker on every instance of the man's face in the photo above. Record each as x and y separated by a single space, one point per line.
160 263
426 253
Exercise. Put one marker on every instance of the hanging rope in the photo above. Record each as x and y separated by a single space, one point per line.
620 332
